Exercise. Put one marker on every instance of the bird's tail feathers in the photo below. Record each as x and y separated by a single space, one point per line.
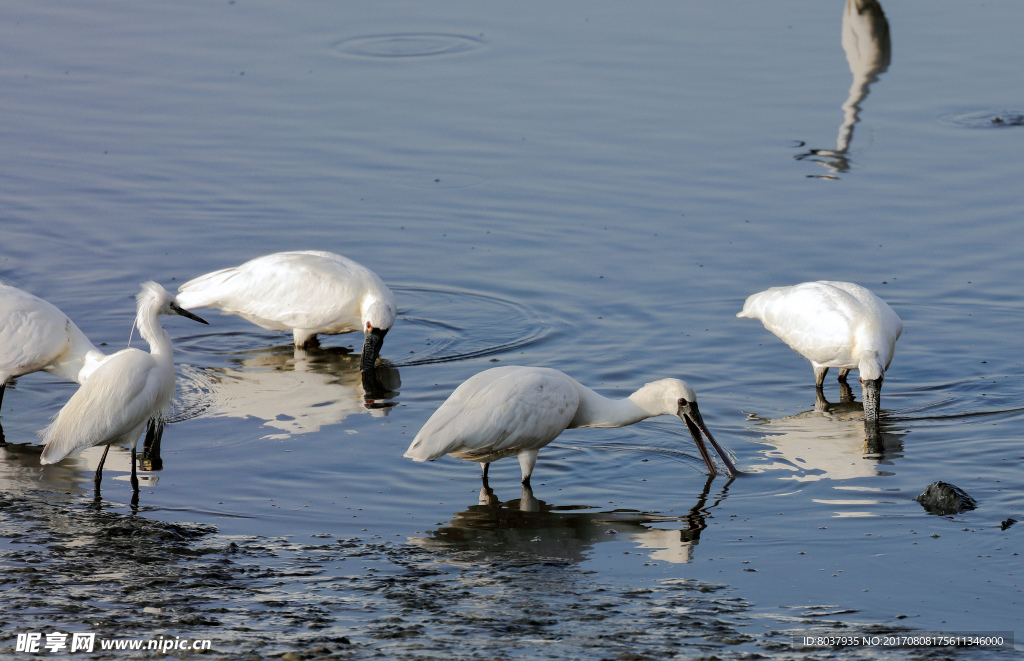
204 290
420 450
80 424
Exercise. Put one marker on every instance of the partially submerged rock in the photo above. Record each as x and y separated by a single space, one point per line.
943 498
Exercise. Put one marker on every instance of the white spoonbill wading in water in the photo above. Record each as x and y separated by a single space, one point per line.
130 388
833 324
36 336
515 411
307 292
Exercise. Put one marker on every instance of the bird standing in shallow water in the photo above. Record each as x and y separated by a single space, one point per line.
36 336
128 390
833 324
307 292
515 411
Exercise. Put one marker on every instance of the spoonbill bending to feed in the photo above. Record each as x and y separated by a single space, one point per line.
36 336
515 411
833 324
307 292
128 390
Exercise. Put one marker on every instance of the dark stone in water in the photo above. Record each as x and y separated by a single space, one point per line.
943 498
1006 524
1009 120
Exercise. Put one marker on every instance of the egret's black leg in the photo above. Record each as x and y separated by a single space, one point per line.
135 479
151 459
99 468
98 477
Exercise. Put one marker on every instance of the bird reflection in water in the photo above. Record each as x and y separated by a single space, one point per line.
868 48
830 442
536 528
294 391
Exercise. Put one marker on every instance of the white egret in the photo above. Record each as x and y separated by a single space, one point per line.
515 411
36 336
833 324
126 392
307 292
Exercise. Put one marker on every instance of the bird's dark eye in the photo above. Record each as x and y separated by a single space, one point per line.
682 401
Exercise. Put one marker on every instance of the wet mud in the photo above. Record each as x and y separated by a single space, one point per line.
81 566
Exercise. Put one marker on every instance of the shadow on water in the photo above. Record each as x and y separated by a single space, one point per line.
531 527
828 442
294 391
868 48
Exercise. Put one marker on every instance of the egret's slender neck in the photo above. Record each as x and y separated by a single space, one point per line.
598 411
148 322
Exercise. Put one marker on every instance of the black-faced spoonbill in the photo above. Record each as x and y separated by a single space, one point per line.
833 324
128 390
307 292
515 411
36 336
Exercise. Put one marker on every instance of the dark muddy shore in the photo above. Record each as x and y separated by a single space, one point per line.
78 566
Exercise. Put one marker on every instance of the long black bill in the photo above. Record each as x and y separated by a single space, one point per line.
872 399
374 339
695 423
185 313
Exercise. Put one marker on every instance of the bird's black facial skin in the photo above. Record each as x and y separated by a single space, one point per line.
373 339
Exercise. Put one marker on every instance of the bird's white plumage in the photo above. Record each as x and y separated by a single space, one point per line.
499 413
507 411
36 336
128 389
113 407
831 324
307 292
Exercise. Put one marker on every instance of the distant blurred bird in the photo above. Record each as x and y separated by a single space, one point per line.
868 49
833 324
307 292
127 391
515 411
36 336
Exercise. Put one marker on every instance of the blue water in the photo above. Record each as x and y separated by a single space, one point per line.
594 187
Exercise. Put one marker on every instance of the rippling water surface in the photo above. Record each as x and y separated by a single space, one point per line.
594 187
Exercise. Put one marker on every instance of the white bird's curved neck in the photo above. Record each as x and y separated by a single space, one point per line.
152 332
598 411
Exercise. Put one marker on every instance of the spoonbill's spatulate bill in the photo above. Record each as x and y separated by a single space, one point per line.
515 411
307 292
36 336
833 324
128 390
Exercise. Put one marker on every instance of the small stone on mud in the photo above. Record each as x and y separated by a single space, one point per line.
943 498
